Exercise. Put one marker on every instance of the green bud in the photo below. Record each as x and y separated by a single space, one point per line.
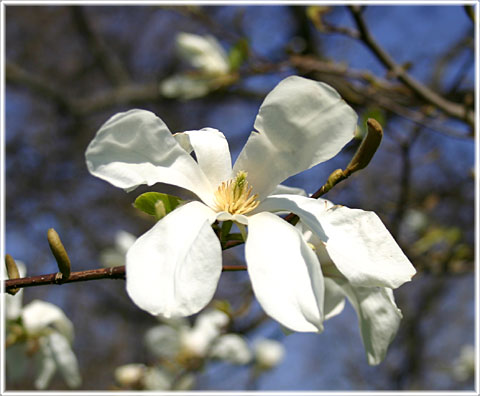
367 148
336 176
12 271
59 253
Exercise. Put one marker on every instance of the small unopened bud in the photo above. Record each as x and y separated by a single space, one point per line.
336 176
367 148
12 271
59 252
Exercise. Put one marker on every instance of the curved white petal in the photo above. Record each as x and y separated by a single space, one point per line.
334 299
65 359
285 273
378 318
136 147
300 124
363 250
308 209
212 152
173 269
283 189
357 241
39 314
46 365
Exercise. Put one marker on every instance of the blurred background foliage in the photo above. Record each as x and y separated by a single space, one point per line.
69 68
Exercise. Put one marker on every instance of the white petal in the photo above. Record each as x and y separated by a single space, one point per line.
239 218
135 148
363 249
334 299
212 152
378 317
46 365
301 123
285 273
65 358
308 209
39 314
173 269
283 189
356 241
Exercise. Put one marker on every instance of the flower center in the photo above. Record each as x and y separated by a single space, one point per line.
234 196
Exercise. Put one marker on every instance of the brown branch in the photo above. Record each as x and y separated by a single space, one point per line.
81 276
452 109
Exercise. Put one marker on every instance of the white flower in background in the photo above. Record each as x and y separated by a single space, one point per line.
130 375
174 268
115 256
44 327
210 61
203 52
268 353
464 364
183 349
231 348
188 342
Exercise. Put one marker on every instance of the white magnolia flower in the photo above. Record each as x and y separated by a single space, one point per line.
166 341
464 364
208 58
203 52
378 315
173 269
231 348
46 323
268 353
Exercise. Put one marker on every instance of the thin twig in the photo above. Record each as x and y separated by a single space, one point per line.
452 109
81 276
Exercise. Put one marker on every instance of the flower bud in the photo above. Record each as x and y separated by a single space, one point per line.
268 353
12 271
367 148
59 252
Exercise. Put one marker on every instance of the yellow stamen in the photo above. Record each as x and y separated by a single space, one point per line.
234 196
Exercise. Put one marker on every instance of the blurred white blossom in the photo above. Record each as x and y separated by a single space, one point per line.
39 330
203 52
268 353
210 63
182 350
464 364
231 348
130 374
